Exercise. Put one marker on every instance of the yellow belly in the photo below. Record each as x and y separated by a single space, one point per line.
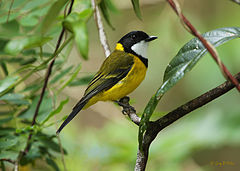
124 86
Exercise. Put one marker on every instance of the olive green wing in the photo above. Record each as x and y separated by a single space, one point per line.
114 68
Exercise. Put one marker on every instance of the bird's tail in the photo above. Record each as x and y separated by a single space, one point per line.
74 112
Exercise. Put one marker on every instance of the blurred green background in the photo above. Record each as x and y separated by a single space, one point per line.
101 138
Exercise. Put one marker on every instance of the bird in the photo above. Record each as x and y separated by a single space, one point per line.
120 73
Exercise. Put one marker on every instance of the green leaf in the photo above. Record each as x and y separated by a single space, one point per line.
44 111
5 120
8 155
52 163
52 14
4 68
81 38
104 9
6 131
76 23
182 63
191 53
15 98
15 46
56 111
82 81
29 21
74 75
7 83
61 74
7 142
136 8
9 30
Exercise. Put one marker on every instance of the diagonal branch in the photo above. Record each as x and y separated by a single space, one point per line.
101 32
155 127
186 23
48 73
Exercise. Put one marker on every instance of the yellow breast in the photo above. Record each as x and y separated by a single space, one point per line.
124 86
127 84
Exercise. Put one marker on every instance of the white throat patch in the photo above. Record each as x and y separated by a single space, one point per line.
140 48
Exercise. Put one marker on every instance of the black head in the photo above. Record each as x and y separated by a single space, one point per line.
133 38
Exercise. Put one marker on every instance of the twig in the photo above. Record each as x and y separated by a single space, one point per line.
8 160
9 11
101 32
186 23
155 127
58 137
49 70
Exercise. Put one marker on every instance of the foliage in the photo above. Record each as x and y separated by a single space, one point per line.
28 33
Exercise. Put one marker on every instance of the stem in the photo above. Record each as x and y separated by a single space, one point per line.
49 71
155 127
102 34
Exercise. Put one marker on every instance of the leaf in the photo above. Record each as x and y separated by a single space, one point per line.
104 9
7 142
8 155
56 111
7 82
82 81
61 74
44 111
4 68
9 30
52 14
191 53
15 46
15 99
52 163
76 23
136 8
29 21
5 120
81 38
182 63
74 75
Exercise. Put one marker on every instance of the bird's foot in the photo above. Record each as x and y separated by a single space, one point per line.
124 102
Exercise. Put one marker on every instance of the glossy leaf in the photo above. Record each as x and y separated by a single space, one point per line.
136 8
7 82
182 63
52 14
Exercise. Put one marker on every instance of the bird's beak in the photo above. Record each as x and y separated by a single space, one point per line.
150 38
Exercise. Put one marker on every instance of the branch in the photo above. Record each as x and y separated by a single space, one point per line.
8 160
101 32
49 71
186 23
155 127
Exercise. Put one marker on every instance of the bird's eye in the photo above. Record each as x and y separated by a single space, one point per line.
133 36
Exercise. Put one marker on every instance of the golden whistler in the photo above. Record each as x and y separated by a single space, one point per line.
121 73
